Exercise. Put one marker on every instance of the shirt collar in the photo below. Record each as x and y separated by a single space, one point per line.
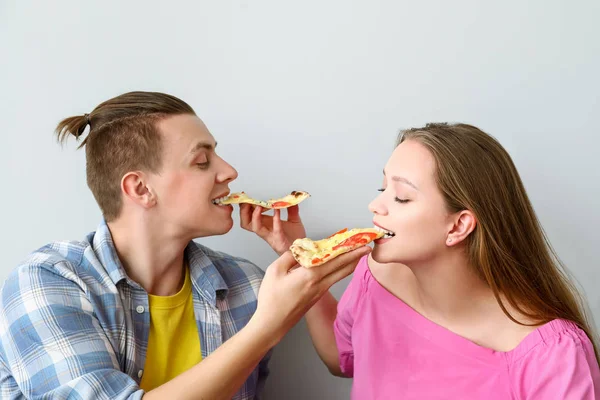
206 277
104 248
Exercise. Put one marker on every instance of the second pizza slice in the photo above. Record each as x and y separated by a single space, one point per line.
310 253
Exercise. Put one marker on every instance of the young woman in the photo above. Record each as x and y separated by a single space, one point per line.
466 299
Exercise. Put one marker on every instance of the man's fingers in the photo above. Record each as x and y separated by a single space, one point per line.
257 222
277 226
284 263
340 274
256 219
324 275
293 214
340 262
246 216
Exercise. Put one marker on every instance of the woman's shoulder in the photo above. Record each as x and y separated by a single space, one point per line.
557 360
556 340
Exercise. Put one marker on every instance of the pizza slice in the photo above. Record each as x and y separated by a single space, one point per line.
289 200
310 253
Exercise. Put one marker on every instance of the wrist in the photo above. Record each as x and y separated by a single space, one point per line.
327 304
281 249
264 331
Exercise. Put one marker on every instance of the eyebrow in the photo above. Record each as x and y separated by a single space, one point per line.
402 180
202 145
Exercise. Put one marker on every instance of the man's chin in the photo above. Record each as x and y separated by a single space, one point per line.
223 231
218 227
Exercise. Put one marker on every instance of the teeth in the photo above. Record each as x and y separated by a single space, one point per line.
388 234
219 200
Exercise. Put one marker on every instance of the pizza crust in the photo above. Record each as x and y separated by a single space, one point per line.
310 253
289 200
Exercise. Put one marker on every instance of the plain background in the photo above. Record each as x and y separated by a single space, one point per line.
310 96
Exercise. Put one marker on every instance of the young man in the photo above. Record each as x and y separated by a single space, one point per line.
138 309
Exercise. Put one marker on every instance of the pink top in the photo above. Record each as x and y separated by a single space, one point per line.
393 352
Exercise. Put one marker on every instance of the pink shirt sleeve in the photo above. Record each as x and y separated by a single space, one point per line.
563 367
346 311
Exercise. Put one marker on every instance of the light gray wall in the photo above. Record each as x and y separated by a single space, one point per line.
307 95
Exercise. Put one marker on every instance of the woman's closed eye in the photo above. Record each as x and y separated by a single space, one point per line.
396 198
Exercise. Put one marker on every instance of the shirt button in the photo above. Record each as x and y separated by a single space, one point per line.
139 309
140 373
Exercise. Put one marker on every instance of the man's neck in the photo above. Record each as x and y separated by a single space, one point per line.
149 256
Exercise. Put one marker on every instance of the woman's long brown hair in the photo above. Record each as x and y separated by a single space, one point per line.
508 248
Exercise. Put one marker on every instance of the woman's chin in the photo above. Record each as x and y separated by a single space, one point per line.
383 255
380 255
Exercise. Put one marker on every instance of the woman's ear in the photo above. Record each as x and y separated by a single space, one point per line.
464 222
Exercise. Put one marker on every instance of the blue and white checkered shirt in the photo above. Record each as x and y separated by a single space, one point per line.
73 325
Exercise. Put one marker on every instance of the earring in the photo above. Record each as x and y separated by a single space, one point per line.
449 240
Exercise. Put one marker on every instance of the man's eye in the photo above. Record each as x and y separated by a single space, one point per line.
202 161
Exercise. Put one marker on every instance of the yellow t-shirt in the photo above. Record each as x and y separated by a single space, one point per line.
173 343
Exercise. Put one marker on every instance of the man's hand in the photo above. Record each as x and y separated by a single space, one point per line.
277 233
288 291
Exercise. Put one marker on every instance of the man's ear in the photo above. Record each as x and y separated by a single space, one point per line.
463 223
134 186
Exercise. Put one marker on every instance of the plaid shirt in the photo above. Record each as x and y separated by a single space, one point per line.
73 325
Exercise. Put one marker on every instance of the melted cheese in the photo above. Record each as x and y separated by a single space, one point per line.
289 200
310 253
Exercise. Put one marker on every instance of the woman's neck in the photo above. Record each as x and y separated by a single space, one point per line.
450 293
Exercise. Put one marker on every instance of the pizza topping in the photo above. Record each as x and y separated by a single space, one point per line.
319 260
338 232
356 240
279 204
289 200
